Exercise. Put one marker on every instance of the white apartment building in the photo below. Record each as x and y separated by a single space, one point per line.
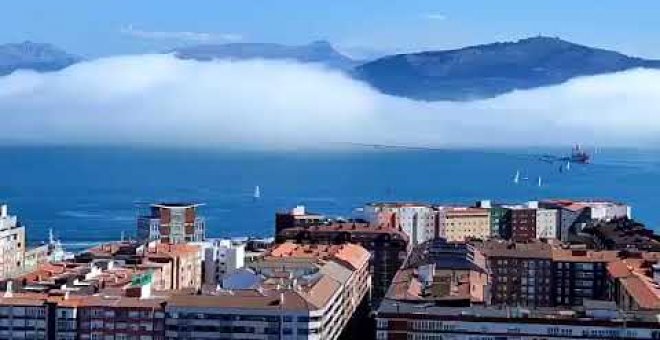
12 244
221 258
607 210
418 221
547 223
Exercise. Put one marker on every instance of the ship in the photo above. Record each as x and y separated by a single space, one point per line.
577 155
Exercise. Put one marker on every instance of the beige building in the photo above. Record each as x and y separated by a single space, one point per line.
457 224
12 244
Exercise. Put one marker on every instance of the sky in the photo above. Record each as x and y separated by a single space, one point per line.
363 29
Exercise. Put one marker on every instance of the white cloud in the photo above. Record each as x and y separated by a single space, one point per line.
161 100
435 16
199 37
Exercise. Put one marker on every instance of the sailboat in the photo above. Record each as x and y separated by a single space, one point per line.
568 165
257 193
540 181
516 178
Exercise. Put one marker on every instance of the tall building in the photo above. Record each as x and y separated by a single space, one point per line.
520 273
418 221
295 292
171 223
388 246
498 217
221 258
458 224
580 275
12 244
547 224
521 222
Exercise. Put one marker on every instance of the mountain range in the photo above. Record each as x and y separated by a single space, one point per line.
469 73
486 71
33 56
316 52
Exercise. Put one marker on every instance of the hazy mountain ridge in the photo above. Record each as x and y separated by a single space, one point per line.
315 52
33 56
469 73
486 71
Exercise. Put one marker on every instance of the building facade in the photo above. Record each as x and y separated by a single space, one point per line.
12 244
171 223
298 292
221 257
388 246
403 320
298 217
458 224
418 221
521 223
547 224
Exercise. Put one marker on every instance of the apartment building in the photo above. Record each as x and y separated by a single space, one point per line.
458 224
418 221
547 223
634 282
441 274
297 291
400 319
178 266
23 315
388 246
580 275
12 244
298 217
221 258
108 317
520 273
521 222
171 223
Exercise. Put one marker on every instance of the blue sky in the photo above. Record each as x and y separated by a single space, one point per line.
365 27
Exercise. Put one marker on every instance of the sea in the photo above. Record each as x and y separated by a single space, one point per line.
89 195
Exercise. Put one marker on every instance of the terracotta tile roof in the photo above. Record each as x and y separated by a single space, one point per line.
497 248
321 292
351 255
244 299
618 269
571 255
23 299
644 294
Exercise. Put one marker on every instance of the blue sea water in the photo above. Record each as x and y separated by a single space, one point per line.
88 194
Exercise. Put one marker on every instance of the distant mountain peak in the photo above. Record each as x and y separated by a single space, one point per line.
33 56
488 70
319 51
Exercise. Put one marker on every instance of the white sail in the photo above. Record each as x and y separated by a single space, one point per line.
540 181
257 192
568 165
516 178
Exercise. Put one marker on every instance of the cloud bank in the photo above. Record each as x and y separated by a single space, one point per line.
163 101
